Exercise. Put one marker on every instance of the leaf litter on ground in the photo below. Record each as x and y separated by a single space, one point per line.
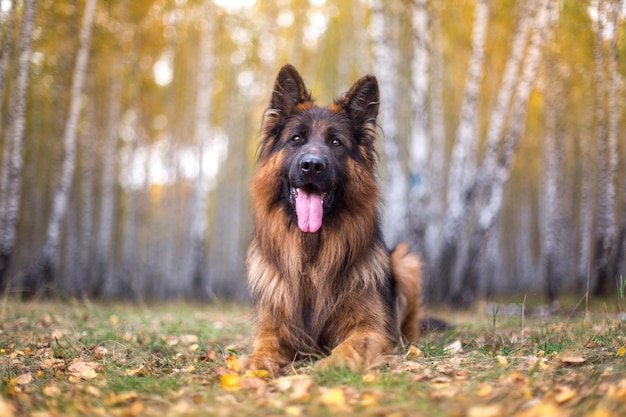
183 359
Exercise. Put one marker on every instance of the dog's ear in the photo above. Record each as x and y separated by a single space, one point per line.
361 104
289 91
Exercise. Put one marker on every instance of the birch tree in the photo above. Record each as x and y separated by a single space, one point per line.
488 201
87 205
500 111
395 214
14 141
605 261
437 162
101 275
45 267
5 53
419 146
616 14
462 166
195 272
551 202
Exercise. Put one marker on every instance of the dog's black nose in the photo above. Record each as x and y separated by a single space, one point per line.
312 165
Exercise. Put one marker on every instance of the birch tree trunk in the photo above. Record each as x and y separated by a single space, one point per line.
101 277
44 270
488 201
438 142
5 54
14 142
500 110
551 202
87 205
395 213
195 271
462 166
606 239
615 14
421 188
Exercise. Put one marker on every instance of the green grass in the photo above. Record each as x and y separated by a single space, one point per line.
169 359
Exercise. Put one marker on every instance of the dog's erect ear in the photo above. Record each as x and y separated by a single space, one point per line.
361 103
289 91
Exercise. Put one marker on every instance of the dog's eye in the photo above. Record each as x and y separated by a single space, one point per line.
296 139
336 142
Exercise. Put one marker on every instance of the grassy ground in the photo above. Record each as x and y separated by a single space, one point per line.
180 359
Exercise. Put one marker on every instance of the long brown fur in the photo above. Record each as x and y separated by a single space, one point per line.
337 290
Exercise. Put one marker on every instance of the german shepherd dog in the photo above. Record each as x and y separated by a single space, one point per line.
319 274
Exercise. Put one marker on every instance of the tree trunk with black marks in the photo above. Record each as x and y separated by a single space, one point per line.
43 273
463 162
13 163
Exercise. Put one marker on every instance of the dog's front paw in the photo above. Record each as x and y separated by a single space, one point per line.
256 362
338 361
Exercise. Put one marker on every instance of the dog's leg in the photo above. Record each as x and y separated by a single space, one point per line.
362 349
268 354
405 269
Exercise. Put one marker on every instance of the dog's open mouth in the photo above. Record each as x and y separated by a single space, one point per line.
310 203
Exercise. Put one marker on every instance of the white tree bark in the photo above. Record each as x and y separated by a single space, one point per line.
488 202
607 233
104 257
437 163
86 205
551 201
395 211
14 141
517 121
586 212
47 263
195 269
421 188
462 165
500 110
5 54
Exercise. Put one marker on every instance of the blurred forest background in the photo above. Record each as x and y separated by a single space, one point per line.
129 131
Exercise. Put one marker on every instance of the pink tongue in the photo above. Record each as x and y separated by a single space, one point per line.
309 210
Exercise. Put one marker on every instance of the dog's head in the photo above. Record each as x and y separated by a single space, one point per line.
326 154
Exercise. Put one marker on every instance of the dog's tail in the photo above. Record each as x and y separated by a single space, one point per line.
405 268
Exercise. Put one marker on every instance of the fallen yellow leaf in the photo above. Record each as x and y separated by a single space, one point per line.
24 379
485 390
6 408
84 370
333 397
568 359
542 410
120 398
232 363
368 399
503 361
230 382
413 352
565 394
51 391
301 390
261 373
293 410
621 351
494 410
369 378
600 412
